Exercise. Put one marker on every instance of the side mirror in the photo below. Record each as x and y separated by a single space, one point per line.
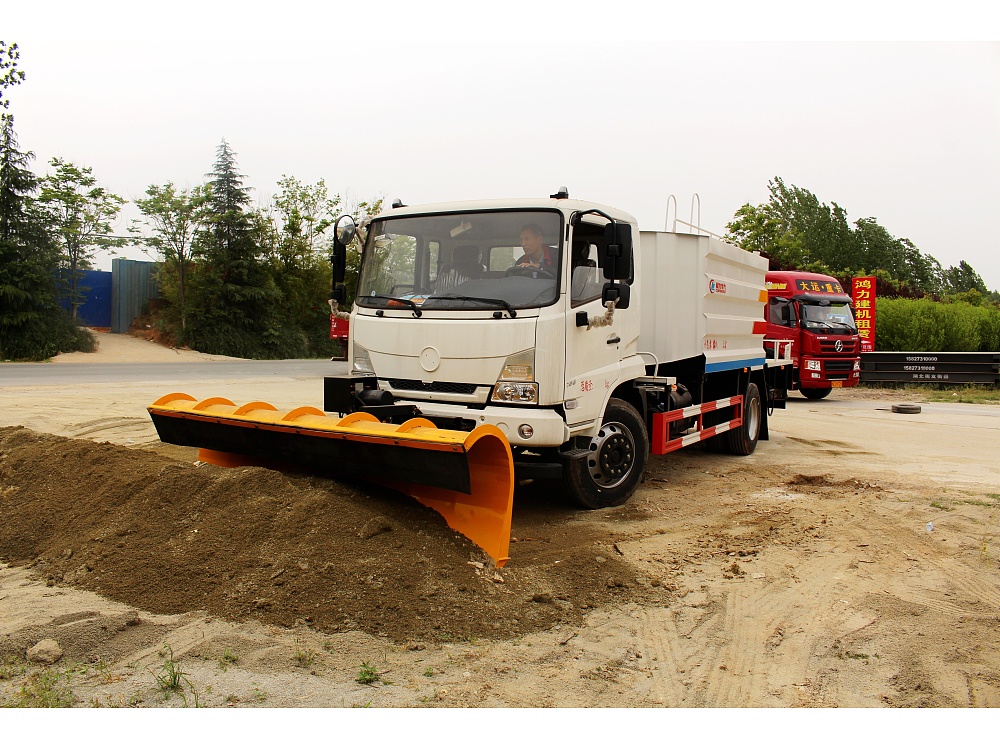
339 294
617 252
620 294
345 230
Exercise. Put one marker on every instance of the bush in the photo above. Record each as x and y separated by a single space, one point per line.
222 337
922 325
43 337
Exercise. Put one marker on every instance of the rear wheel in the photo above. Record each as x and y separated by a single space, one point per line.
815 394
609 473
743 440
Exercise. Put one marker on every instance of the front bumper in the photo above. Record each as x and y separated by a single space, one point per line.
549 430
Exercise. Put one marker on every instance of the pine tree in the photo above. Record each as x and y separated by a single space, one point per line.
32 325
234 293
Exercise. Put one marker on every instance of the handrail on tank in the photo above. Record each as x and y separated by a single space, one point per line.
666 219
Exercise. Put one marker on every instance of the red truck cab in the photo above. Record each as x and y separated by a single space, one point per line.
813 312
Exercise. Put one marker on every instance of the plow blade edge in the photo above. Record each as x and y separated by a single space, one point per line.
467 477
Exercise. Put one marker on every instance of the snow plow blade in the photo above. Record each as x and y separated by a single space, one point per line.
467 477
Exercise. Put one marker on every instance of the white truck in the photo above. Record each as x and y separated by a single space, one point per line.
587 355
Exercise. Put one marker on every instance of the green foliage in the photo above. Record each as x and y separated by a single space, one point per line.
47 688
32 325
9 74
923 325
168 226
794 230
255 283
367 674
79 213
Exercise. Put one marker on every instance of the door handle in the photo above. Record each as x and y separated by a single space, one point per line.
614 340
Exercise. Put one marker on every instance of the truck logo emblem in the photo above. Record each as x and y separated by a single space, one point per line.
716 287
839 346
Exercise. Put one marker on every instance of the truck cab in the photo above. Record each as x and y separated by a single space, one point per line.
562 326
812 311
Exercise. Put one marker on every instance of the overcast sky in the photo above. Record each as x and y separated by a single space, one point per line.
389 99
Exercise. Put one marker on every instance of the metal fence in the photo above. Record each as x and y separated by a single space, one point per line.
133 285
931 367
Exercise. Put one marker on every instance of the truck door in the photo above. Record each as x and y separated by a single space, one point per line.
782 322
593 357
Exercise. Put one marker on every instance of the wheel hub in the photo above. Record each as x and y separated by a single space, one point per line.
612 455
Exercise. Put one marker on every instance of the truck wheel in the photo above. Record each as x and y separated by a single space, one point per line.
743 440
609 474
815 394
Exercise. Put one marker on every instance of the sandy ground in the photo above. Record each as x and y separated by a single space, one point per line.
851 561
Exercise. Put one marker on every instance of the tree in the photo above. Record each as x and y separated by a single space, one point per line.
80 214
236 305
307 212
32 325
26 258
963 278
795 230
170 220
9 74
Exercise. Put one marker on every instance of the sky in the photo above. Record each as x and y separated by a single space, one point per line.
888 114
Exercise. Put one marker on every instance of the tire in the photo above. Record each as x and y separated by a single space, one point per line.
609 474
905 409
815 394
743 440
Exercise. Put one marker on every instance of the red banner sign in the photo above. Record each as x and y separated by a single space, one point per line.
863 294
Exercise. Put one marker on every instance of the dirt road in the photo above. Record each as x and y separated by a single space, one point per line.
851 561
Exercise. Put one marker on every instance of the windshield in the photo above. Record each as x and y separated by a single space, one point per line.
835 317
499 260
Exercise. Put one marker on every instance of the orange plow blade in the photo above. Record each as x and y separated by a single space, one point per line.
467 477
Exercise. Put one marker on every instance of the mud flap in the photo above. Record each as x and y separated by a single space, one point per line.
467 477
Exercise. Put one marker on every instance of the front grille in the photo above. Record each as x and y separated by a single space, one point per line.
839 365
464 389
830 347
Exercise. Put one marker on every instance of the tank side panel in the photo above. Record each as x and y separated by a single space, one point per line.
701 295
733 291
672 324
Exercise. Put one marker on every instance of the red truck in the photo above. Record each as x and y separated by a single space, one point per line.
813 312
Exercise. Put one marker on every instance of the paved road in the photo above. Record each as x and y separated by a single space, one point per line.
52 373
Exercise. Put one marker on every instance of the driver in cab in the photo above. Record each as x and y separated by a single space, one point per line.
537 255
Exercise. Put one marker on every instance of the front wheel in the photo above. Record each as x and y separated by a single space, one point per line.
815 394
742 441
608 475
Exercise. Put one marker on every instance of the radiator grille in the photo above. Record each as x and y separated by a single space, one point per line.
465 389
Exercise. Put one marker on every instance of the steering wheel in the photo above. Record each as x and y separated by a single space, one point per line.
538 272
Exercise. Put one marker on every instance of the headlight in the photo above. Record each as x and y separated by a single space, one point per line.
362 361
516 393
516 384
813 364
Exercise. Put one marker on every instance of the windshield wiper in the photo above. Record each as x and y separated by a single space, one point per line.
501 302
402 300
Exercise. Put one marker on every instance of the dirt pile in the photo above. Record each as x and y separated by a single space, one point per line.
169 537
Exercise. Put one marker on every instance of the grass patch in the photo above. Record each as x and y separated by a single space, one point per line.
367 674
48 688
227 659
962 394
172 679
940 506
954 394
304 657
